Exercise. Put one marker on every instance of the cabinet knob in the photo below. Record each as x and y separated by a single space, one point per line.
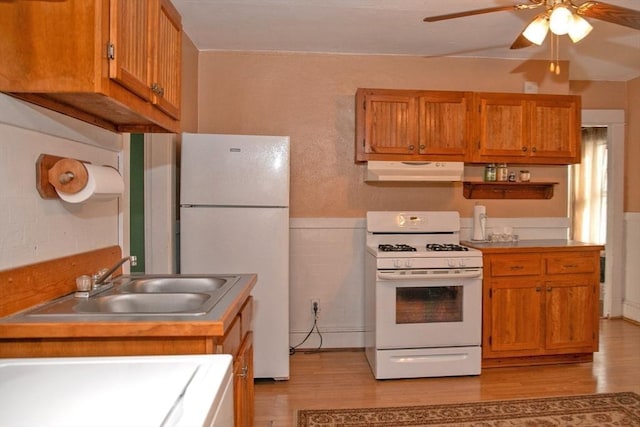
412 147
524 148
157 89
549 289
538 289
533 150
422 146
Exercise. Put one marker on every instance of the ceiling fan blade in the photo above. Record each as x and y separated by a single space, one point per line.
521 42
468 13
610 13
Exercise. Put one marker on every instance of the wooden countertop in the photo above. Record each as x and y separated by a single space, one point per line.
214 323
547 245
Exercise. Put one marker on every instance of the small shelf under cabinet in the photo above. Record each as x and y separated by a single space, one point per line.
508 190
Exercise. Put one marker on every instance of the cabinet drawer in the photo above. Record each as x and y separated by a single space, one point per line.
571 263
515 265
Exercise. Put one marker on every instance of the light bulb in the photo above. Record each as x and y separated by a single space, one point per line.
580 28
560 20
537 30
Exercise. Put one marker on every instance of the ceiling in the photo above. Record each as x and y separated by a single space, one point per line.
394 27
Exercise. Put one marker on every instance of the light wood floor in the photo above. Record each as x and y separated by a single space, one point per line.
342 379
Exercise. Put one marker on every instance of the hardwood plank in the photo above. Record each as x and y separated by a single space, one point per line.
342 379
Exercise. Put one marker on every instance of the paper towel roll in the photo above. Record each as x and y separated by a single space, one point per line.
103 182
479 222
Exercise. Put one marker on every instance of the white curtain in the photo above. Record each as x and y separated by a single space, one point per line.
589 207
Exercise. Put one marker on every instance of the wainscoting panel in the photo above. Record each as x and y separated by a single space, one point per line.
631 301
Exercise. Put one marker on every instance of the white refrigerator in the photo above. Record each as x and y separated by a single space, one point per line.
234 218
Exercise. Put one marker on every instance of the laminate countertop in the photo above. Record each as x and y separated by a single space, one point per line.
215 323
533 244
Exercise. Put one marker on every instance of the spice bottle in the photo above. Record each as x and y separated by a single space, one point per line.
502 173
490 172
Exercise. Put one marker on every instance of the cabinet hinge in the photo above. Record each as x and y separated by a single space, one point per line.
490 340
490 292
111 51
364 104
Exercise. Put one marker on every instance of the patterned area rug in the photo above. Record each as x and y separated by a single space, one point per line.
601 410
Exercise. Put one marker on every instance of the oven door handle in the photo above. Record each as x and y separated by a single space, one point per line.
396 275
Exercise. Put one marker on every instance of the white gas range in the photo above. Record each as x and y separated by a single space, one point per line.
423 294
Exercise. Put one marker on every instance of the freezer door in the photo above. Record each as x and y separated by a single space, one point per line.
234 170
247 240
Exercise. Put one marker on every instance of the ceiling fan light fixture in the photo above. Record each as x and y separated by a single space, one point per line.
580 29
537 30
560 20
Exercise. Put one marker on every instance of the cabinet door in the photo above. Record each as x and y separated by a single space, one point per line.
514 323
243 383
569 315
443 125
501 127
555 129
166 81
130 35
390 126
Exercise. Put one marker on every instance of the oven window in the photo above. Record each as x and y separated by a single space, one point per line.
429 304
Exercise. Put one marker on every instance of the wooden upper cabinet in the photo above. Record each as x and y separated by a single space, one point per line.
419 125
526 128
501 127
555 123
130 45
166 82
112 63
410 125
443 123
389 124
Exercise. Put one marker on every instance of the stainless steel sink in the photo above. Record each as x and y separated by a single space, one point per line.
145 295
172 284
160 303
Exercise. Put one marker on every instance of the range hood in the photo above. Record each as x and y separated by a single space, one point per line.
414 171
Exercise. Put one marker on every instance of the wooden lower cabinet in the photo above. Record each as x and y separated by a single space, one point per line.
238 341
243 383
540 307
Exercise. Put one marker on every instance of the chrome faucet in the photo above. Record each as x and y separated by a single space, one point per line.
104 276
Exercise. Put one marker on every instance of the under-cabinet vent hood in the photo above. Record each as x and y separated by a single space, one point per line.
414 171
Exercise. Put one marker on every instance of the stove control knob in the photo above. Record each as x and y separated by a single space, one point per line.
397 263
408 263
462 262
451 262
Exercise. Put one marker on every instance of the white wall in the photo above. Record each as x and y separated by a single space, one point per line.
327 263
631 299
33 229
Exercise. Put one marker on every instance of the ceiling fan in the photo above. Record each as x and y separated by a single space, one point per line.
559 16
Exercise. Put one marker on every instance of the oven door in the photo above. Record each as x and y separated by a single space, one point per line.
428 308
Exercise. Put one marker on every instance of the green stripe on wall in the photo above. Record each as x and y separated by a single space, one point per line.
137 201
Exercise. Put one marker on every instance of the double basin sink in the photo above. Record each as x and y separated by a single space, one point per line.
133 295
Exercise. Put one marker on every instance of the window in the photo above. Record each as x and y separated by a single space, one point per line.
589 189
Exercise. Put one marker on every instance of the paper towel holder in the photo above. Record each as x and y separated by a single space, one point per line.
59 172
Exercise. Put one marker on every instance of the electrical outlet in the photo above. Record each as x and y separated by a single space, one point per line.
315 305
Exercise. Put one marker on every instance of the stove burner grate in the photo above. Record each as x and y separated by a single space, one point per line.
445 247
400 247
